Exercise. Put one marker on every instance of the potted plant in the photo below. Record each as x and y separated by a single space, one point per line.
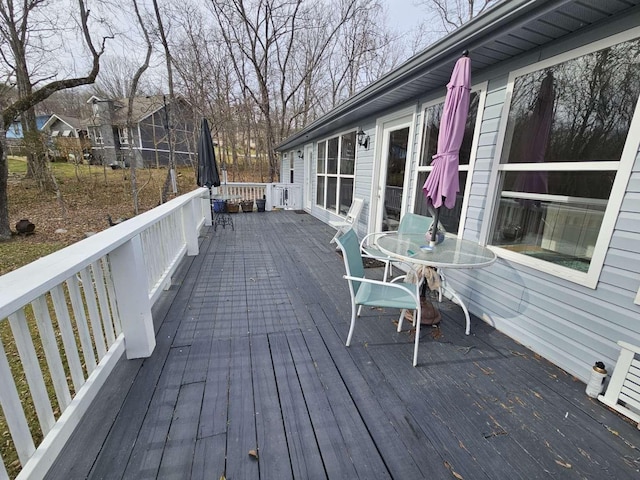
247 206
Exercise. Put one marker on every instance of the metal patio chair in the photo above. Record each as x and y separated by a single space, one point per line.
409 223
376 293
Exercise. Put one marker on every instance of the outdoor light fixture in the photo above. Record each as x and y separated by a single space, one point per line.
300 154
363 138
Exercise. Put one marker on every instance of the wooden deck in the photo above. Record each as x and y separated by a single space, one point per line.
250 357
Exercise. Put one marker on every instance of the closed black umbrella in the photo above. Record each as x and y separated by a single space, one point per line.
207 167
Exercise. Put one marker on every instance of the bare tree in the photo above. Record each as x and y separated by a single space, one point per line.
262 38
131 94
451 13
171 174
14 30
115 79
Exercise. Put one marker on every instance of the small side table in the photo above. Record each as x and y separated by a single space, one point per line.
222 217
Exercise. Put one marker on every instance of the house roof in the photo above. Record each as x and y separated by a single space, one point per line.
74 123
143 107
505 31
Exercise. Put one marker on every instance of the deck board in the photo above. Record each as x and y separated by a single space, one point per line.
250 355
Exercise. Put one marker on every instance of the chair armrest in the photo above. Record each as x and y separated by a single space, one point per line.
386 284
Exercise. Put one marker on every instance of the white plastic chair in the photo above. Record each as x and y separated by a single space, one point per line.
375 293
350 220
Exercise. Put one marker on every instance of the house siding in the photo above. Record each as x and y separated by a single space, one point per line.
570 324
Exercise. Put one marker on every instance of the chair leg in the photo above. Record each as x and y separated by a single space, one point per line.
353 323
417 340
359 310
386 271
401 319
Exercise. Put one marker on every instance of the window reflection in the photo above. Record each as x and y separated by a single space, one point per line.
577 113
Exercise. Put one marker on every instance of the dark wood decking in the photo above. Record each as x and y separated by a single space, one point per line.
250 356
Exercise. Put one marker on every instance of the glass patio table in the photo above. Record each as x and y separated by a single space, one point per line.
453 252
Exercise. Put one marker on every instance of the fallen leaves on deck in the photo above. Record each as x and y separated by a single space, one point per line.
253 453
453 472
563 464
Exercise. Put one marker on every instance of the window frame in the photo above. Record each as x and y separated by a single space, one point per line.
614 203
325 175
481 89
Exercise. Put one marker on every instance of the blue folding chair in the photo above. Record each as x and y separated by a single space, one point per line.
376 293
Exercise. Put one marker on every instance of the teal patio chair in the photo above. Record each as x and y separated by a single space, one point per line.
409 223
376 293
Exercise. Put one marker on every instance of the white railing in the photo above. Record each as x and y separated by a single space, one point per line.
83 307
247 191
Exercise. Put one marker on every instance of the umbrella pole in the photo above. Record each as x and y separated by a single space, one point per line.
434 227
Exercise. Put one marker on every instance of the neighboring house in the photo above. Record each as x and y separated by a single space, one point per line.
68 138
562 216
149 134
14 134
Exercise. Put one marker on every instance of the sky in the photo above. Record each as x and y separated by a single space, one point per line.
403 15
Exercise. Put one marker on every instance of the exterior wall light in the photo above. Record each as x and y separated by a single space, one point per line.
363 139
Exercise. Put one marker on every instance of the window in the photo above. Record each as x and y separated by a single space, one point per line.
123 135
97 135
55 133
450 219
66 133
335 172
566 130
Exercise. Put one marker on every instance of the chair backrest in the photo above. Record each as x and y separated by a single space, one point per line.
354 211
350 246
414 223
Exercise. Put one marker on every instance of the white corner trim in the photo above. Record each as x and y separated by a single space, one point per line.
637 300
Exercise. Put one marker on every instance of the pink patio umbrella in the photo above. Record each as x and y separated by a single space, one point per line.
442 183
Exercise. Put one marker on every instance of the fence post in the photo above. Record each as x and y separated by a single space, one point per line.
132 295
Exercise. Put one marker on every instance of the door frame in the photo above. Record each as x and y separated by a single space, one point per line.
384 125
307 187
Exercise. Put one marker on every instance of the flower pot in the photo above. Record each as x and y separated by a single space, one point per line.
247 206
260 204
219 206
233 207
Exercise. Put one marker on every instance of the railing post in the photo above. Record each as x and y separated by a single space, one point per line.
206 208
132 296
268 192
190 228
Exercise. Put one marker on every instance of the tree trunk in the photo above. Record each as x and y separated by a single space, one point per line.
5 231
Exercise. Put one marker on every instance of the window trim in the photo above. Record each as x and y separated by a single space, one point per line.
337 175
623 172
481 88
